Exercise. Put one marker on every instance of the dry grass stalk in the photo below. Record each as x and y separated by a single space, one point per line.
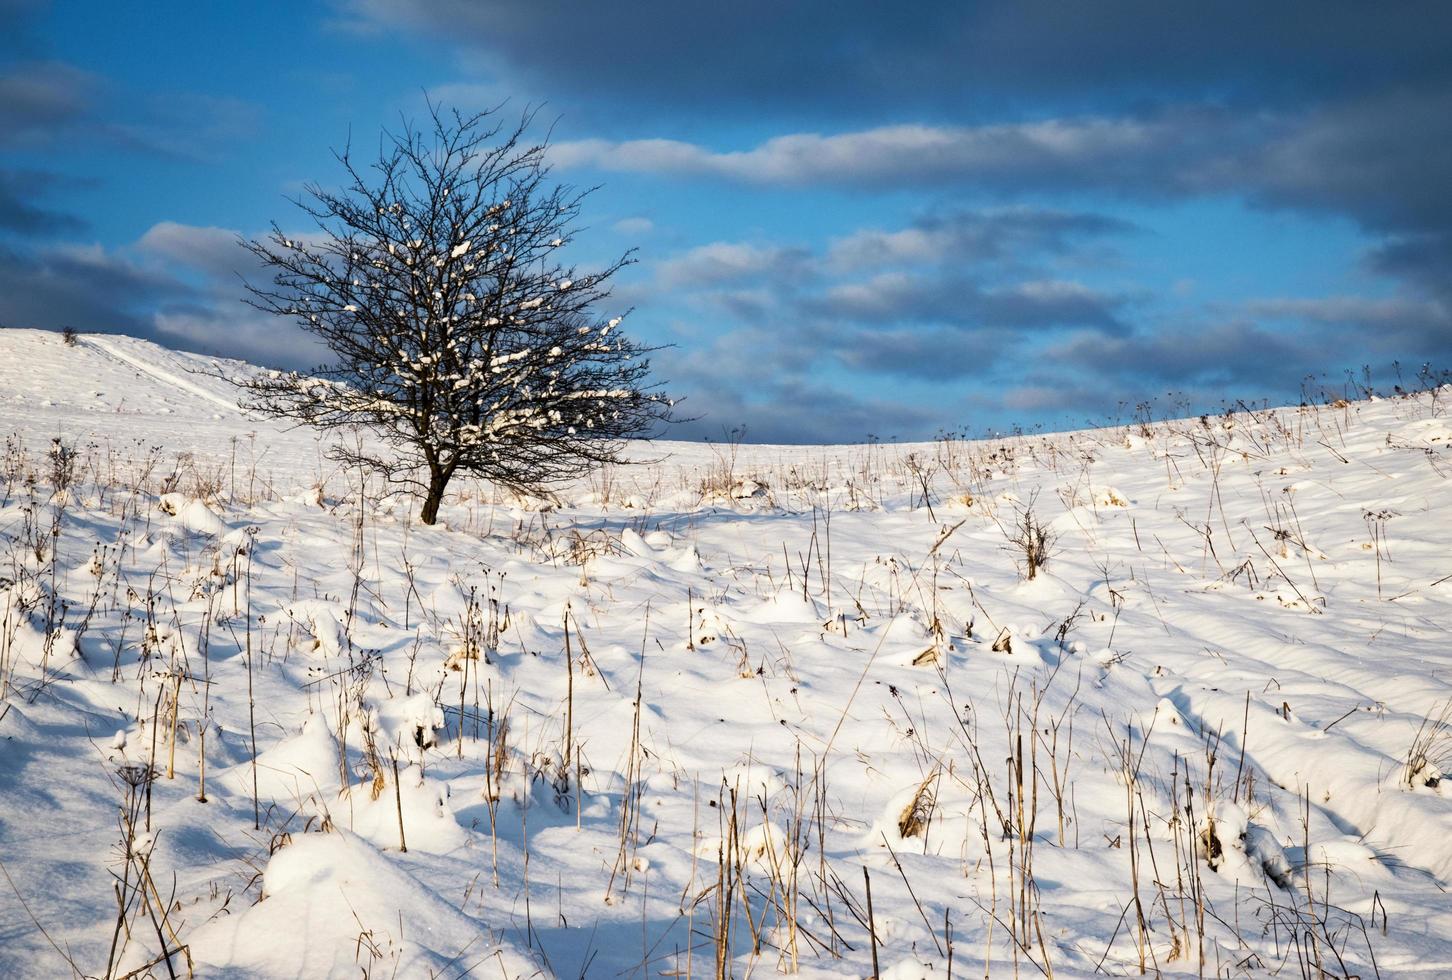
913 822
1430 754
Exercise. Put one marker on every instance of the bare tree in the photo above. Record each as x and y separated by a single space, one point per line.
461 340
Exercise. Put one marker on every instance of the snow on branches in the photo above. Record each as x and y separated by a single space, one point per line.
460 338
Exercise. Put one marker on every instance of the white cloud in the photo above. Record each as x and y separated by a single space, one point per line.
871 247
722 262
208 248
636 225
886 154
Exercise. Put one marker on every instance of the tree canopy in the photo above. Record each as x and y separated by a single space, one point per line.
462 338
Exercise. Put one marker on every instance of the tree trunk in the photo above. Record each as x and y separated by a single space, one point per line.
438 480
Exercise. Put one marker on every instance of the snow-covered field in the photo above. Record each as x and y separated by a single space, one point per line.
254 722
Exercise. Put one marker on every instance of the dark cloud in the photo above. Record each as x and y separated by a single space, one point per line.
926 354
961 237
39 100
777 383
1371 332
93 289
1265 347
862 57
895 298
1423 259
1240 351
729 386
1383 160
21 214
1090 379
84 287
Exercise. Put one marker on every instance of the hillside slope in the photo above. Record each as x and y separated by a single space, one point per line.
685 712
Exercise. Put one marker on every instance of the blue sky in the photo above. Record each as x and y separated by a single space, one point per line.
851 220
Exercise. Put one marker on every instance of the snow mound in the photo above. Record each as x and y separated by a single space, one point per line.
192 514
332 905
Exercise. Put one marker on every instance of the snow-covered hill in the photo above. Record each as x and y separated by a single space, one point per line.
73 389
254 722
